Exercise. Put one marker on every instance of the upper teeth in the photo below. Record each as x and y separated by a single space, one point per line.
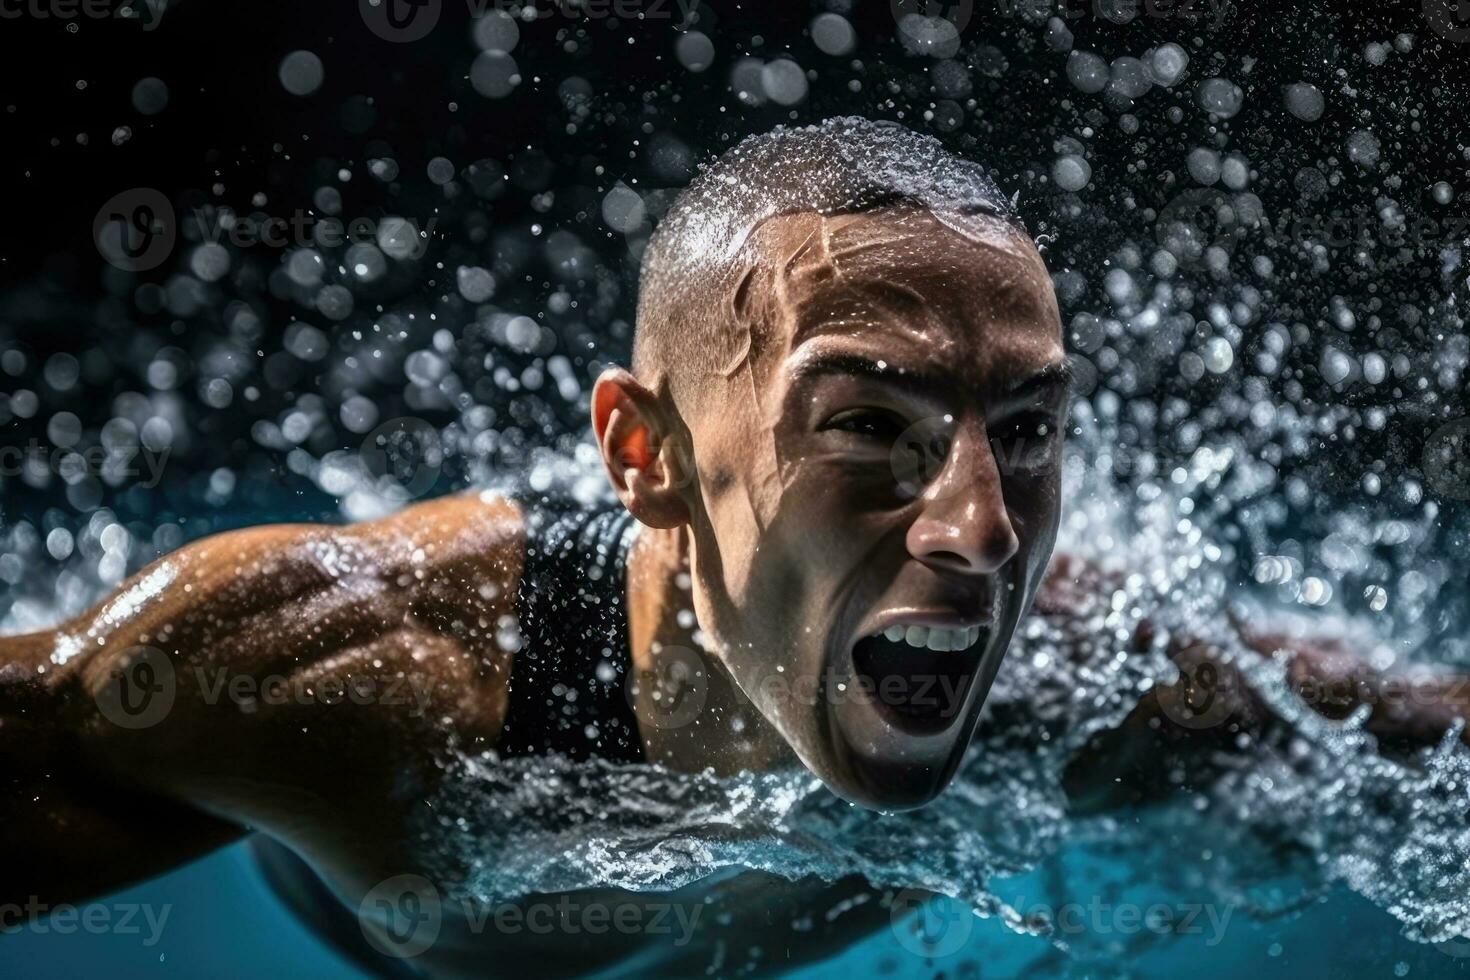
933 637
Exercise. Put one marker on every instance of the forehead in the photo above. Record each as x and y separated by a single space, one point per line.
901 285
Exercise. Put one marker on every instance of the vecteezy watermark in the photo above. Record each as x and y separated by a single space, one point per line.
1207 692
937 926
403 457
1201 218
928 925
404 21
137 230
1100 918
920 452
96 918
672 690
404 915
1193 12
1339 229
144 686
70 464
1446 459
1396 693
933 694
1028 444
306 229
248 691
1210 689
400 20
957 12
148 13
1450 19
140 689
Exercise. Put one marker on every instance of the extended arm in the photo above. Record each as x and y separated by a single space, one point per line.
1178 731
299 679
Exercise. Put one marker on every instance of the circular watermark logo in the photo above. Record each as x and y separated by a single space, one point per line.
919 452
1206 693
957 12
401 916
139 691
1444 894
1193 221
1458 947
673 690
931 926
400 21
1447 459
1450 19
404 456
135 230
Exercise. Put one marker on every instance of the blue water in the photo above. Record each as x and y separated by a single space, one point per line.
223 923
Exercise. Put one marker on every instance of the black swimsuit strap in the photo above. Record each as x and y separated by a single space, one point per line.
567 686
568 678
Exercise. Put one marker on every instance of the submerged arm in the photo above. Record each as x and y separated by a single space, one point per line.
1179 732
64 835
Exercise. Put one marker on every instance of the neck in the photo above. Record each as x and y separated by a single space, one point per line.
691 714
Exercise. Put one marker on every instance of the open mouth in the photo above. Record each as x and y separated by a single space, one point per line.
918 675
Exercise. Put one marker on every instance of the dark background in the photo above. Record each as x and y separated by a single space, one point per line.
604 99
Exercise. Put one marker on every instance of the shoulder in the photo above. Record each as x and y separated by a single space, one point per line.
454 556
479 528
489 518
472 534
464 552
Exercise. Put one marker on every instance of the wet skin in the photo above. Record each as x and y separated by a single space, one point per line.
808 531
772 505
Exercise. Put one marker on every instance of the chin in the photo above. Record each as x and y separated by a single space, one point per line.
887 756
884 769
881 792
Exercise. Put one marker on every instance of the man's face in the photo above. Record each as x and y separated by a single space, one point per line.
878 468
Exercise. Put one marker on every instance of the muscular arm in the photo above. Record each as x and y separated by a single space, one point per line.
296 678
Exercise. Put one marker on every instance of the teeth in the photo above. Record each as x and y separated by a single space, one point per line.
933 637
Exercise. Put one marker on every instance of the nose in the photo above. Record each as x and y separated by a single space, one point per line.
964 525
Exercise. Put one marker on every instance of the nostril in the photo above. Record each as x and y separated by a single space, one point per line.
954 553
951 559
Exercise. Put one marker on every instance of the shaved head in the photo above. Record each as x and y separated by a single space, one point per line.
706 258
844 415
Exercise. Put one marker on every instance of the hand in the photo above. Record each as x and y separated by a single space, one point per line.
1413 707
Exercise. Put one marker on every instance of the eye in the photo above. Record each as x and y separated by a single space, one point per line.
870 423
1029 426
1027 442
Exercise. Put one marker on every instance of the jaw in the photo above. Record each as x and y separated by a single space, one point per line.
899 756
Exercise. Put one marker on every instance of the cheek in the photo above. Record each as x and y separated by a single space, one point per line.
1036 513
1035 500
830 511
727 544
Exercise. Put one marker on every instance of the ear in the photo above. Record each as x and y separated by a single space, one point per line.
636 451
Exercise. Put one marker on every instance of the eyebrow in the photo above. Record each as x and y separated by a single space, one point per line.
848 364
1057 374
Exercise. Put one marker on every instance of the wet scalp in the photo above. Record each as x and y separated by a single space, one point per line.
697 271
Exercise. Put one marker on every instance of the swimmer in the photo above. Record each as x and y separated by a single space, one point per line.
836 462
